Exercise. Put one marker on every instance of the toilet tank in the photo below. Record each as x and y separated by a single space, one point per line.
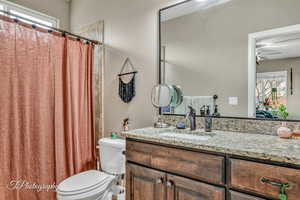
112 158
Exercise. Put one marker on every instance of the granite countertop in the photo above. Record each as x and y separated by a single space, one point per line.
243 144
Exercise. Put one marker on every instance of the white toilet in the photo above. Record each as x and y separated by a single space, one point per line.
93 184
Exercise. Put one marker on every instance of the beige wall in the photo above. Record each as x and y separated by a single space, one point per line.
131 29
207 51
286 65
54 8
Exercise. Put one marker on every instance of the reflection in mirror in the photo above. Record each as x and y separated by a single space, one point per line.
206 48
277 68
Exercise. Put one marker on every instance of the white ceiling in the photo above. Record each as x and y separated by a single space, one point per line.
189 7
281 47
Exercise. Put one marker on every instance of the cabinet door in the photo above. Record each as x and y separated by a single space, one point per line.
179 188
144 184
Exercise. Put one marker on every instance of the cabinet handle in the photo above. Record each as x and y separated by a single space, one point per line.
274 183
170 183
282 187
159 181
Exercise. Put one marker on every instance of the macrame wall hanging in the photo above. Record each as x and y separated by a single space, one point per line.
127 89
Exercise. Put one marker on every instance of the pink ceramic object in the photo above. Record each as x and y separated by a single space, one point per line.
284 132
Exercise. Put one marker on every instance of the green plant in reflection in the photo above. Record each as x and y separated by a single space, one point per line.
281 112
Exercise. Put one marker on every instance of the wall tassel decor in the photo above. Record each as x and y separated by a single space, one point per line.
127 90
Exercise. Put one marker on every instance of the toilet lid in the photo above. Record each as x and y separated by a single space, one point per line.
84 181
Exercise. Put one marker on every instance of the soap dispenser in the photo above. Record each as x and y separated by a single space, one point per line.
208 110
216 112
202 111
207 120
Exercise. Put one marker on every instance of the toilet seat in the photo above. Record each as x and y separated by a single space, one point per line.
90 184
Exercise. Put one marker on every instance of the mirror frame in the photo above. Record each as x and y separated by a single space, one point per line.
252 37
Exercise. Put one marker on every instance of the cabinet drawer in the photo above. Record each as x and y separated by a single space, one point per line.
191 164
240 196
248 176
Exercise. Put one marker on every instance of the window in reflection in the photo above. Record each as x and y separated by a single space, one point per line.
271 93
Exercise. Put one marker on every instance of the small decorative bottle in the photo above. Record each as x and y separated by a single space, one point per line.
284 131
126 124
296 132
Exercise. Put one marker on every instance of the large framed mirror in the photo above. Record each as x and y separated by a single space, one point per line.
234 58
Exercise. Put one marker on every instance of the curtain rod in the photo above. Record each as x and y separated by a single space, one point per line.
51 28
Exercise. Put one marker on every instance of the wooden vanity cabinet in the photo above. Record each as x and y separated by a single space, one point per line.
163 172
145 183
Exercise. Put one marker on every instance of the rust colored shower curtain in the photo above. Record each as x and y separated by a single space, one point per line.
46 114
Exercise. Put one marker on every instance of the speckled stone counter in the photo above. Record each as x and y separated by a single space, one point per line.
243 144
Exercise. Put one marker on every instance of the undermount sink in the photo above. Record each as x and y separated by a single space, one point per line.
188 136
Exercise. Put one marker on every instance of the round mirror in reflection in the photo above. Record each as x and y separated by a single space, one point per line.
161 95
164 95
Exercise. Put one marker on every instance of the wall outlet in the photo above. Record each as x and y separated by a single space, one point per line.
233 101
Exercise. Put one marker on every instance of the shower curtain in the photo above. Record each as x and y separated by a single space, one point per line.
46 113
